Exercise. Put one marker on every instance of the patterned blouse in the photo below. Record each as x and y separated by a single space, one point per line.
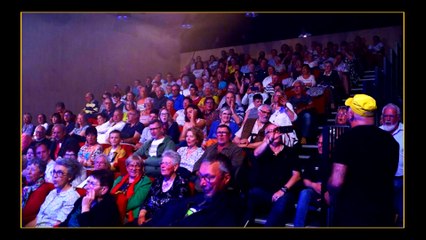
156 197
56 207
188 160
88 153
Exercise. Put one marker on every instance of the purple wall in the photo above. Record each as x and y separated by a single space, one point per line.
66 55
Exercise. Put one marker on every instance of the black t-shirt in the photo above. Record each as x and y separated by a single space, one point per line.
366 196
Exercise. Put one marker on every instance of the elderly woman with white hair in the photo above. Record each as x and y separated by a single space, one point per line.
165 188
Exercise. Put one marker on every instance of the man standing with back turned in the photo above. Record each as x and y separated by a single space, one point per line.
364 163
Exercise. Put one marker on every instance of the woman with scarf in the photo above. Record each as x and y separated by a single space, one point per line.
34 193
131 189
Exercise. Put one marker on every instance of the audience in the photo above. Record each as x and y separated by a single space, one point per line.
189 126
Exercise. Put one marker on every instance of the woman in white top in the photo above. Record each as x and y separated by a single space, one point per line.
193 118
192 152
144 114
179 116
306 77
60 201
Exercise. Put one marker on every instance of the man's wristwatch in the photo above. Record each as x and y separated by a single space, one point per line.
284 189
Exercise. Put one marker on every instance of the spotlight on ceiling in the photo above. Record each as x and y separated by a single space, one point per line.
305 35
123 17
186 26
251 14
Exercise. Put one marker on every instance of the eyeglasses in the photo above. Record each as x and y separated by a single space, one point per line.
276 130
58 173
222 133
133 166
154 128
208 178
92 184
265 112
166 163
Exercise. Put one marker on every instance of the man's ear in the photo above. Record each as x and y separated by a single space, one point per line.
104 190
350 114
227 178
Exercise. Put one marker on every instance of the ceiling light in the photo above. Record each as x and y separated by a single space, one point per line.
186 26
123 17
251 14
305 35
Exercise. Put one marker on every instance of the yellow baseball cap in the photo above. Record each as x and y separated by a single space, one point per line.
362 105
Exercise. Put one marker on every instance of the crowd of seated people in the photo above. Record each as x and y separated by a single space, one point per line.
163 136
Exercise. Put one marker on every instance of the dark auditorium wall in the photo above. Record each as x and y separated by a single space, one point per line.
66 55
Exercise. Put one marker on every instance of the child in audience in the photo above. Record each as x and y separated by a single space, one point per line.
115 151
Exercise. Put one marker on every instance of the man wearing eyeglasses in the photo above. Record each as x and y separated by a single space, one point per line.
216 206
98 207
251 134
152 149
225 147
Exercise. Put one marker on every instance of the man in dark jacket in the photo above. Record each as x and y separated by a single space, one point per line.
97 208
217 206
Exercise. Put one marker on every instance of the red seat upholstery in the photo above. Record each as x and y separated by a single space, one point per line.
130 148
105 145
92 121
81 191
122 166
191 186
